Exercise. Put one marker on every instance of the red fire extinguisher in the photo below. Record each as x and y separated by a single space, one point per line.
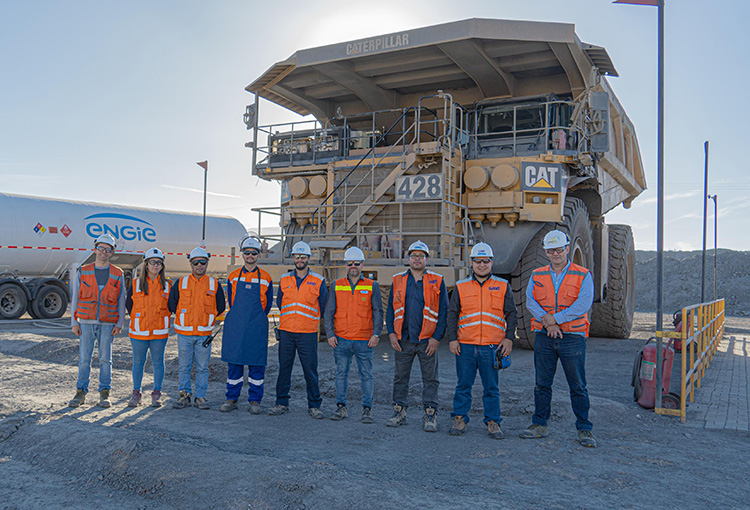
677 323
644 377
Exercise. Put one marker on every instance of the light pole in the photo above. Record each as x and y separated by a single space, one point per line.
706 196
204 165
716 236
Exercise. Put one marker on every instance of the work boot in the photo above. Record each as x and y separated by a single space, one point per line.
534 432
494 429
254 408
229 405
398 418
277 410
202 403
459 426
586 438
340 412
366 415
156 398
430 420
316 413
183 401
135 400
79 399
104 398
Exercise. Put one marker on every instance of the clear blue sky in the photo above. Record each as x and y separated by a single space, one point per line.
115 101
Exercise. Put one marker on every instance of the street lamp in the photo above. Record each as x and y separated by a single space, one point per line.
204 165
716 235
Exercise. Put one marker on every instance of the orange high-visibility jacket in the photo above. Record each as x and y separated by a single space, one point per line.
567 293
481 320
92 304
300 310
149 317
196 310
262 277
431 289
353 318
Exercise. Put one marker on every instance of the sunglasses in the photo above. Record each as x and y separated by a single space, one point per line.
555 250
250 252
418 256
482 261
300 257
153 262
201 262
355 264
104 249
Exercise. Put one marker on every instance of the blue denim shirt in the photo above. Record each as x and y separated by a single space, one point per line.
579 307
414 310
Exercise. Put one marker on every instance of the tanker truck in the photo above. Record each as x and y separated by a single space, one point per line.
43 240
476 130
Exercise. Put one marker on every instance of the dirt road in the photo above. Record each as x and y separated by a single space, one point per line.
52 456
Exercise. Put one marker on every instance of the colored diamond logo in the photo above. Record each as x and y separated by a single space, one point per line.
65 230
39 229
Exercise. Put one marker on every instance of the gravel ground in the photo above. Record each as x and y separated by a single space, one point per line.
53 456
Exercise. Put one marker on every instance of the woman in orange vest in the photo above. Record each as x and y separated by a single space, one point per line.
149 323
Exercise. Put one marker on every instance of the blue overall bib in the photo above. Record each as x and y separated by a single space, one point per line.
245 340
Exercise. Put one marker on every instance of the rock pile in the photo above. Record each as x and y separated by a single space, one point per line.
682 280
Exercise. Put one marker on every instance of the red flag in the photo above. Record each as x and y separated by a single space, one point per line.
655 3
203 164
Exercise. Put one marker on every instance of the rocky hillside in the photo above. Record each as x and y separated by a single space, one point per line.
682 285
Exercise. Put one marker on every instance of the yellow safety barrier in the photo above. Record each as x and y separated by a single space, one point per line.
702 330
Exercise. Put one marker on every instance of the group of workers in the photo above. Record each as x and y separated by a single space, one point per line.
478 322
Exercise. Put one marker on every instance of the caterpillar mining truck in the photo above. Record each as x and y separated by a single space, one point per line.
476 130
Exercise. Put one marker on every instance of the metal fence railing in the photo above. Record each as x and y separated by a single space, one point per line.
702 331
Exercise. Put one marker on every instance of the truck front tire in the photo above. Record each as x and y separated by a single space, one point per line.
614 318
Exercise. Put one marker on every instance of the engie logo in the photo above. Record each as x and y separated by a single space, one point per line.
119 226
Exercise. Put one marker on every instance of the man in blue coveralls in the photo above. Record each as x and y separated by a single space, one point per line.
245 339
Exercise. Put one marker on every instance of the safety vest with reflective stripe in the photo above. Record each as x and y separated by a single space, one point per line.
353 319
149 317
300 310
256 276
431 290
95 305
196 310
481 320
566 295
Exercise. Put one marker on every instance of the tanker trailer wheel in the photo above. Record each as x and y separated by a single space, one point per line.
50 303
614 319
12 301
576 223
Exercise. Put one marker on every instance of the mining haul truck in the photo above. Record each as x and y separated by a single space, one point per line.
476 130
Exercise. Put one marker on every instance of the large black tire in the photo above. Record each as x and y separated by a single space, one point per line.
50 302
12 301
614 318
577 225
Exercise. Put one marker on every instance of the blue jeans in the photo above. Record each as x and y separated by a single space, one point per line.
343 356
190 348
140 348
471 359
90 334
306 345
571 351
255 377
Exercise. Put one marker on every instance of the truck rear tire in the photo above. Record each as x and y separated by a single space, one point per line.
614 319
578 226
50 302
12 301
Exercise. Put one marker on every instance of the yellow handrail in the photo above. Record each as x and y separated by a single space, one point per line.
702 331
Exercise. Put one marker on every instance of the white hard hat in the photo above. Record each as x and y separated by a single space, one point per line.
419 246
250 242
153 253
199 253
482 250
354 254
555 239
106 239
301 248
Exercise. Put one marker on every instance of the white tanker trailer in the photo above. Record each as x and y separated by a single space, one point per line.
43 239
